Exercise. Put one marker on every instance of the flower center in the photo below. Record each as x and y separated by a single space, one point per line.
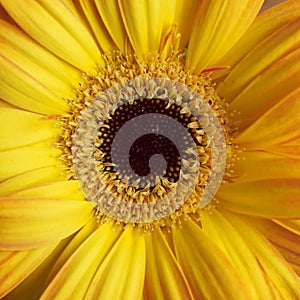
148 148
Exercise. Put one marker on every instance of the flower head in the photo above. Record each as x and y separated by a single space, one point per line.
149 150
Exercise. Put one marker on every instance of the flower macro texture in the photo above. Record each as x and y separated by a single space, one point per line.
149 150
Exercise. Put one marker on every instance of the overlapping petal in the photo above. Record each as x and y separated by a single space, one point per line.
263 27
54 25
75 276
164 277
285 286
33 222
208 271
219 25
151 24
19 160
278 125
17 265
285 241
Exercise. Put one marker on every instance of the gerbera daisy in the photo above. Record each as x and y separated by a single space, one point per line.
149 150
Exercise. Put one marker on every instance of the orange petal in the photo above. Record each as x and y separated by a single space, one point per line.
272 198
16 266
29 223
218 26
164 278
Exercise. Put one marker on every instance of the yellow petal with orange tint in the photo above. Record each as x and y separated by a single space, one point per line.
124 265
270 198
58 29
64 190
19 88
291 225
16 266
31 178
218 26
110 14
281 275
267 53
19 160
20 128
278 125
224 235
82 265
104 39
164 278
285 241
36 61
262 28
271 86
261 165
206 267
29 223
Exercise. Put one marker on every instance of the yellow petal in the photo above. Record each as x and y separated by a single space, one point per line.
37 278
286 242
267 53
224 235
27 158
121 274
4 15
278 125
164 278
20 128
16 266
29 223
73 279
31 178
36 61
276 268
55 26
266 90
19 88
271 198
5 104
80 237
218 26
260 165
149 24
206 267
104 40
262 28
109 12
59 190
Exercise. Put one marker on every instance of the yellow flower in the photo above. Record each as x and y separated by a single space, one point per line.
71 226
